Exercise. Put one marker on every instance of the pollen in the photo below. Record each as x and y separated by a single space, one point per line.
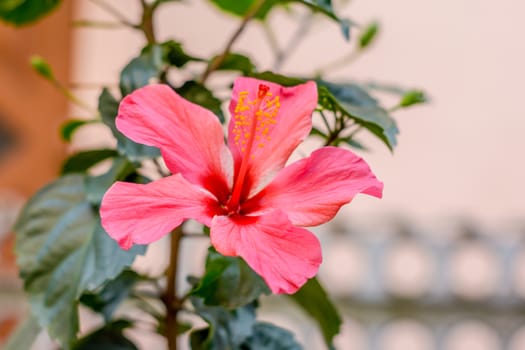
254 119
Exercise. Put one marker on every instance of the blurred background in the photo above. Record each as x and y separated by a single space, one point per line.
438 263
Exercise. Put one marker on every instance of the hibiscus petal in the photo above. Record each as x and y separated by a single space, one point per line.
141 214
190 137
285 122
285 256
311 190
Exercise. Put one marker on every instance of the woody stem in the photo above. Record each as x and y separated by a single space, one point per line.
217 61
169 298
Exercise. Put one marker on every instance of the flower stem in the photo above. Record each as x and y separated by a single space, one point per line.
169 298
215 63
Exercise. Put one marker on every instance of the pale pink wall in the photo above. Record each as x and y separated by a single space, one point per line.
462 154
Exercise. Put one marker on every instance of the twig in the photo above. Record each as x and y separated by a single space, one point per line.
98 24
215 63
340 62
293 43
272 39
115 13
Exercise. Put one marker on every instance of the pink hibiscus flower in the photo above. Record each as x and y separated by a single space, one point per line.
254 205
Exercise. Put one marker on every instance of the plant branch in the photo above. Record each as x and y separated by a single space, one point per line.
216 62
339 63
146 24
98 24
115 13
293 43
169 298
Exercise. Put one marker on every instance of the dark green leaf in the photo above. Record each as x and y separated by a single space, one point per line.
80 162
199 339
240 8
161 328
105 300
96 186
236 62
267 336
173 54
355 103
62 251
42 67
325 7
110 337
69 127
229 282
108 108
350 93
413 97
277 78
228 328
142 69
199 94
313 299
368 35
24 336
350 100
21 12
352 142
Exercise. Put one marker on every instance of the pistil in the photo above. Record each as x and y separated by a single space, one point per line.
256 113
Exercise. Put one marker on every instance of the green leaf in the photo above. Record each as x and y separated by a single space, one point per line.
199 94
352 142
108 108
350 100
80 162
22 12
24 336
63 251
313 299
109 337
240 8
106 299
96 186
325 7
42 67
173 54
267 336
69 127
277 78
368 35
229 282
9 5
236 62
413 97
139 72
228 328
355 103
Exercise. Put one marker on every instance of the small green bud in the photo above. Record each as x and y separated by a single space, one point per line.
42 67
412 97
368 35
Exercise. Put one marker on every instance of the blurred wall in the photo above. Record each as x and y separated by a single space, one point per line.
30 150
